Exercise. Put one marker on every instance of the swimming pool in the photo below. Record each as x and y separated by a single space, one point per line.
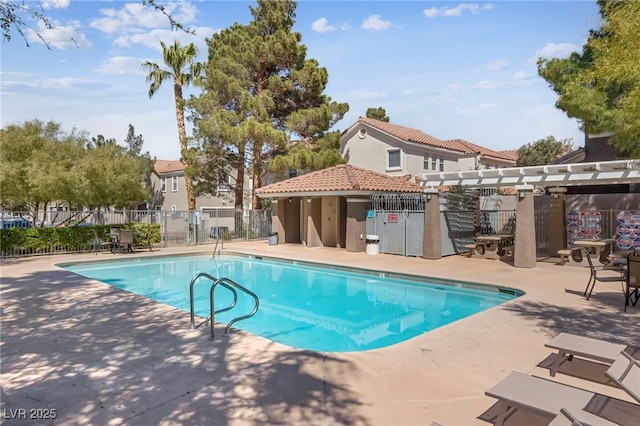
301 304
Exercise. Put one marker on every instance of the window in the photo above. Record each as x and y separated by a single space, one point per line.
223 183
174 183
425 164
394 159
442 164
163 184
434 163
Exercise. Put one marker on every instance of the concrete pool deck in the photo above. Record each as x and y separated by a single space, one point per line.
99 356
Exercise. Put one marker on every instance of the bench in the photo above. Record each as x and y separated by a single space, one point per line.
508 251
475 247
566 254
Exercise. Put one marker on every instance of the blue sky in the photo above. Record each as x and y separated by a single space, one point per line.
450 69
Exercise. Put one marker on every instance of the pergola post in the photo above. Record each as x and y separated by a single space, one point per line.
557 232
432 240
525 248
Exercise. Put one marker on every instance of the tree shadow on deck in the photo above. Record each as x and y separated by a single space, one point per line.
100 355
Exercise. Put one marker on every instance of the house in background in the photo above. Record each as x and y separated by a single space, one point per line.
170 194
400 151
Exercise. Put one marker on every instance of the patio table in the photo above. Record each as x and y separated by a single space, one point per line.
494 246
596 247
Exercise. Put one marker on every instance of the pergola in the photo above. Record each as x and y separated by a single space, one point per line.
597 173
525 179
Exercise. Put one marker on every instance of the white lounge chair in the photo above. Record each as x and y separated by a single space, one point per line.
521 391
570 345
625 371
565 418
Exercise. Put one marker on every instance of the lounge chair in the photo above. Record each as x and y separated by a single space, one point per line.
625 371
632 282
521 391
597 275
565 418
570 345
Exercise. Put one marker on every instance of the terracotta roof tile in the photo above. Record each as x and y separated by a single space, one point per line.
471 148
167 166
343 177
510 153
407 134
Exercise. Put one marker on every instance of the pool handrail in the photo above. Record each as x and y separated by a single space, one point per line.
213 279
227 282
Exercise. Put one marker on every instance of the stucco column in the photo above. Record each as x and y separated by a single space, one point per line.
356 224
557 233
313 218
277 219
525 248
432 240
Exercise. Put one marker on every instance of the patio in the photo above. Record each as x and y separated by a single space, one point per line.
98 355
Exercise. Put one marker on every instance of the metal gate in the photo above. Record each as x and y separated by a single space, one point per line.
398 219
458 220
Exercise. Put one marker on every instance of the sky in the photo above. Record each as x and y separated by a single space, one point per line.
453 70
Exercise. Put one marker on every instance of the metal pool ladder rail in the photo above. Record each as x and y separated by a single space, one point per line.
229 285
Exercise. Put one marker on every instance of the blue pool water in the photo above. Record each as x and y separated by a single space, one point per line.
301 305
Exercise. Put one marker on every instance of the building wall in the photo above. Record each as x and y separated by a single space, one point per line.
370 152
369 149
169 198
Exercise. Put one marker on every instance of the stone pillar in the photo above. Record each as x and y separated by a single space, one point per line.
557 233
525 247
356 224
432 240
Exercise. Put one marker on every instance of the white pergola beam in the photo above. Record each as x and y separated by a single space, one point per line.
598 173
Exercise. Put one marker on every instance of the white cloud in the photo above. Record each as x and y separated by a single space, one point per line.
473 8
553 50
365 95
121 65
498 65
322 26
55 4
59 37
151 39
135 17
487 85
521 75
374 22
482 108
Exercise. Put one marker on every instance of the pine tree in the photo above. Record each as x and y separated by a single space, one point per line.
261 92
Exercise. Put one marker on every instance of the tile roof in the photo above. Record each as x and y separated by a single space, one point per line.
510 153
405 133
167 166
408 134
471 148
342 178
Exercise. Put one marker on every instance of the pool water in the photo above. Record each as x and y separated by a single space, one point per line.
302 305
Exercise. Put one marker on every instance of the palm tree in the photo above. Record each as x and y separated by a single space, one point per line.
184 70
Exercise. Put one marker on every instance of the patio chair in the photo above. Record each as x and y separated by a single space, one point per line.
97 243
521 391
126 241
602 275
570 345
632 282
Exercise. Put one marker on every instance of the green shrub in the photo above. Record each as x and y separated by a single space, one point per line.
68 238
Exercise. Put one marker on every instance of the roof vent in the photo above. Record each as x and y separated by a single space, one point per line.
362 133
